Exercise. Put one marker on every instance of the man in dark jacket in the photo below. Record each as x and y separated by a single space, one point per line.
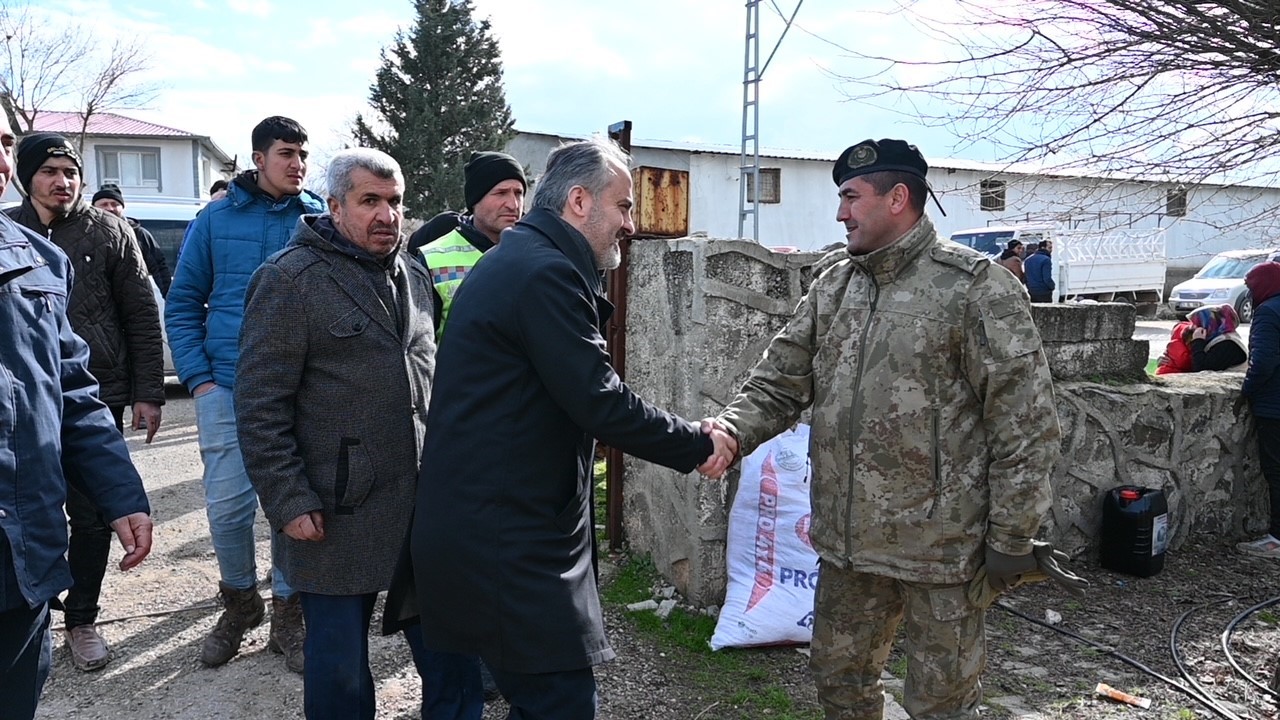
1262 389
451 244
53 430
1039 271
337 351
502 544
112 307
110 199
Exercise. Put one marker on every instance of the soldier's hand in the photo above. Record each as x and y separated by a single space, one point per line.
1004 570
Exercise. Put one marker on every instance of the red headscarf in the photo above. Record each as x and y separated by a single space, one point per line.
1263 282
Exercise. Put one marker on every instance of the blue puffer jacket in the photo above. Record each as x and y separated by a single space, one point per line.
50 417
224 245
1039 271
1262 379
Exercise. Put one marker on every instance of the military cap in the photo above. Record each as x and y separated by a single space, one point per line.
871 156
886 155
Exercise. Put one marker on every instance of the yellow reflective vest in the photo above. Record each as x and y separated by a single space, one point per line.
449 258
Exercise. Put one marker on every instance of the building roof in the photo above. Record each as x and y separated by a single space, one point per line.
993 168
108 124
105 124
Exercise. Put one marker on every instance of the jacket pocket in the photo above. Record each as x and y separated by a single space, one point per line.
571 518
349 325
354 478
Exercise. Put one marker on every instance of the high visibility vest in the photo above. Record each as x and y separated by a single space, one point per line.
449 258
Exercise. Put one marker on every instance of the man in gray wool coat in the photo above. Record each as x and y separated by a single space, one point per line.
337 354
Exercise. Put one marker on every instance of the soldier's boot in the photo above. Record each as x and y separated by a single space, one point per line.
288 631
242 610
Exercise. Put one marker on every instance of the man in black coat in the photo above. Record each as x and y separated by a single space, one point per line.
502 542
110 199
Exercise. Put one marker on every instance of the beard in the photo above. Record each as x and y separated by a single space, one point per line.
604 245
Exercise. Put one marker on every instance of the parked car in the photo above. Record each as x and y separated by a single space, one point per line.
166 219
1219 282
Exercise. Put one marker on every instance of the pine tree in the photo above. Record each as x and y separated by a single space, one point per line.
438 97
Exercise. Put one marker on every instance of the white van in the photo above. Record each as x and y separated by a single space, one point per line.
166 219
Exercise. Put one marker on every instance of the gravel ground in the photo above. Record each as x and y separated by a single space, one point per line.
157 615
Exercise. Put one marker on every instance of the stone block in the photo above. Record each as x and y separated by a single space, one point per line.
1075 322
1117 359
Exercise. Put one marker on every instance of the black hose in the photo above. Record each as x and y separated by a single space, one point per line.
158 613
1173 645
1208 702
1226 645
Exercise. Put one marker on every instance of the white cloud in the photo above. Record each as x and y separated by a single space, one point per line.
253 8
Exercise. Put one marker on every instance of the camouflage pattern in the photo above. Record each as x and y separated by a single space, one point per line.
933 423
855 617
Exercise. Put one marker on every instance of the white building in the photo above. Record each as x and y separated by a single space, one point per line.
145 159
798 202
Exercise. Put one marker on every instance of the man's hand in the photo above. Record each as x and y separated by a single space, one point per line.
146 415
1199 334
134 532
309 526
1003 570
203 388
725 449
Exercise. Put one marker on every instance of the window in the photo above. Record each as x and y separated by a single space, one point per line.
991 195
129 167
1175 202
770 185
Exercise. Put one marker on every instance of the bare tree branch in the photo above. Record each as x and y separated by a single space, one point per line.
64 66
1181 91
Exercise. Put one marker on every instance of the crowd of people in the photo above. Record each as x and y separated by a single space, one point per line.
311 334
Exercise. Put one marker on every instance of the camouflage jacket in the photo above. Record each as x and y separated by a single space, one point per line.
933 424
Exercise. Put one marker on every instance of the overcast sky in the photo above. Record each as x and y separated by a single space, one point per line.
673 67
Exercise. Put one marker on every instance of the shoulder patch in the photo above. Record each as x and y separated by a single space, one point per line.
294 259
959 256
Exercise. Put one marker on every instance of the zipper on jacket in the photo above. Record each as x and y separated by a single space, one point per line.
857 390
937 467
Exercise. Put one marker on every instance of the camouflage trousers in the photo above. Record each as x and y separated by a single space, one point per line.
855 618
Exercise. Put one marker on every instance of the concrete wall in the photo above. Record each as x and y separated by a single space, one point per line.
700 313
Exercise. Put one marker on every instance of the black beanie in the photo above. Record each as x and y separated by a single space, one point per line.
486 169
108 191
36 148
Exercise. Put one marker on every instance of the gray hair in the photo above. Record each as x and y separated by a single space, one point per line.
590 164
346 162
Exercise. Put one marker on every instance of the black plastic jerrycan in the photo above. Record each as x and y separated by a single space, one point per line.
1135 530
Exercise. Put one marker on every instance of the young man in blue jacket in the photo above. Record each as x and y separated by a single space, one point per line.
1039 273
224 245
53 421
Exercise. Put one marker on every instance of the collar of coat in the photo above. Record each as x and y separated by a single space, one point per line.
887 263
570 241
30 218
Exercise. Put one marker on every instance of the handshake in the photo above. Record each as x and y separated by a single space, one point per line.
725 449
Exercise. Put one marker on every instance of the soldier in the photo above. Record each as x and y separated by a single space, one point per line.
933 436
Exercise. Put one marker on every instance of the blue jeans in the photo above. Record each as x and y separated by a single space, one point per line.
230 501
337 684
25 653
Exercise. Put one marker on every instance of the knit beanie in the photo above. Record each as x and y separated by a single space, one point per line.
108 191
36 148
486 169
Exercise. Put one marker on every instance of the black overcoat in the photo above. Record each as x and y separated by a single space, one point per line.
502 540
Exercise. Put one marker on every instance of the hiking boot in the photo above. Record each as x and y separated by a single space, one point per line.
1265 546
89 651
243 609
287 631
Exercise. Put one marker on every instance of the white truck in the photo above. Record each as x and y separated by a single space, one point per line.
1102 265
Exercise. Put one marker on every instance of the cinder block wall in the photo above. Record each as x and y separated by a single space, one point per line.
701 311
